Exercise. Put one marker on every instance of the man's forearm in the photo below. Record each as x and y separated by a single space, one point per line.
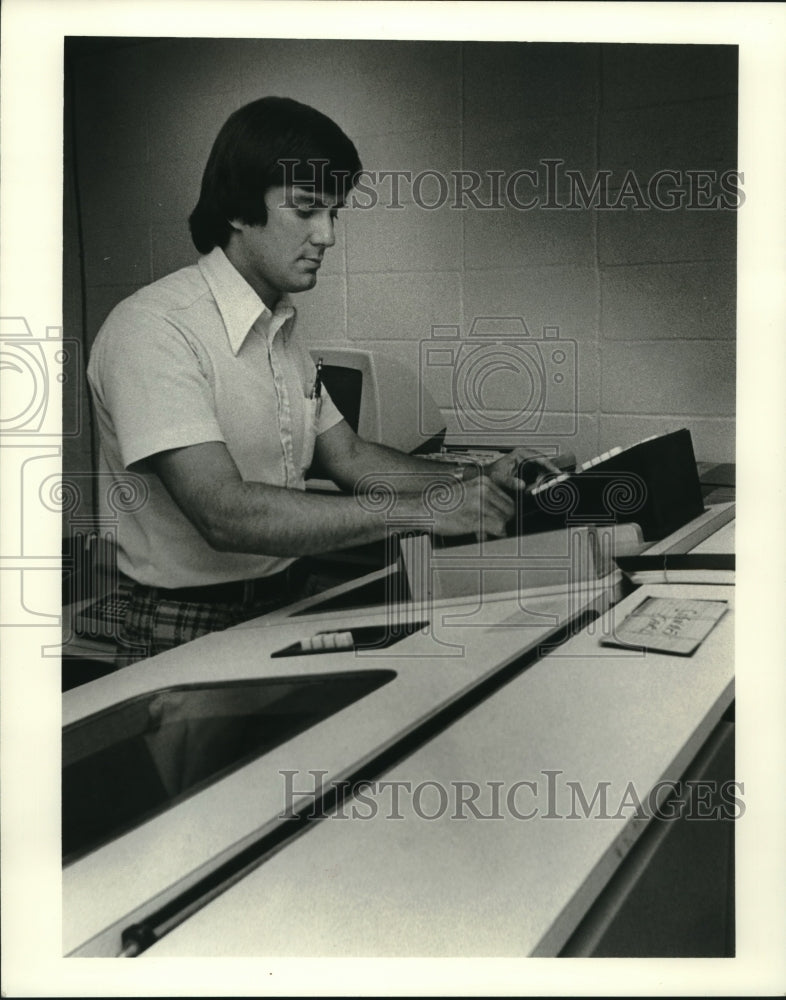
374 462
234 515
271 520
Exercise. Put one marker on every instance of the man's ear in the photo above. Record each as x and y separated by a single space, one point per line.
237 224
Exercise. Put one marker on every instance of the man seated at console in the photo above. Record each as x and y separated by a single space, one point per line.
202 386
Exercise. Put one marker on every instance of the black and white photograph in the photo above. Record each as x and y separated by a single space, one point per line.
378 382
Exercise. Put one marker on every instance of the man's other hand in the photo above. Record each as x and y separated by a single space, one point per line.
523 468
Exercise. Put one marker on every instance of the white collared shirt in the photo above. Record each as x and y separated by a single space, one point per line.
192 358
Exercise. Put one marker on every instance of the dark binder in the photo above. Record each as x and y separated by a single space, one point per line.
654 483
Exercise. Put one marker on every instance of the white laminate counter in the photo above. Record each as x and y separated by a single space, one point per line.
508 886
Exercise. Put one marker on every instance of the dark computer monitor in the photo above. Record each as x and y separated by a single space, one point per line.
381 398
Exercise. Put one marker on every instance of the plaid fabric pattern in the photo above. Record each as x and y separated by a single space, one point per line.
154 623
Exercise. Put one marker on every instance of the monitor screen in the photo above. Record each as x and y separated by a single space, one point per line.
381 398
345 386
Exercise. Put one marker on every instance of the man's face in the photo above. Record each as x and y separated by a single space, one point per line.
285 254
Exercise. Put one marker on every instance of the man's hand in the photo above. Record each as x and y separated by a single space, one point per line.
481 508
522 468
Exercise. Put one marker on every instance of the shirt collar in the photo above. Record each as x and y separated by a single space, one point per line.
241 308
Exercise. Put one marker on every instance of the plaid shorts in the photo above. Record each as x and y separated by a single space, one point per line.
154 622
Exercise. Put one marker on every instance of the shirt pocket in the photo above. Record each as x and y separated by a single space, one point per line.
311 407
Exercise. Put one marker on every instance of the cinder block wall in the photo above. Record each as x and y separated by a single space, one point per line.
647 295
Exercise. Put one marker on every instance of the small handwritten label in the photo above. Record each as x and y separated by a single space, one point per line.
668 625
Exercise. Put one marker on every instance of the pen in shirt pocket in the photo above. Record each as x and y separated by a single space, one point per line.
316 392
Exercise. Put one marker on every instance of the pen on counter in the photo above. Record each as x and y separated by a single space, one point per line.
316 392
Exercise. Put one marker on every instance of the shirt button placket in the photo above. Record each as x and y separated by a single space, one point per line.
284 413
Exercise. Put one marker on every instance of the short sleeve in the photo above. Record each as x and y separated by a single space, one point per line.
151 384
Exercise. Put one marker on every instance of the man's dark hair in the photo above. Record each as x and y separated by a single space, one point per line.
270 142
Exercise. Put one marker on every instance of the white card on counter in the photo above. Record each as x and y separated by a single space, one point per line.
668 625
